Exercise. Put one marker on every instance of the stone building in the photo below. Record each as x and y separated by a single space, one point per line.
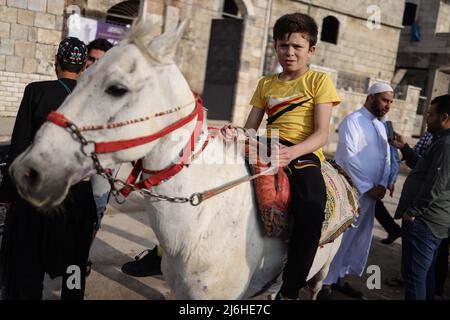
424 51
227 47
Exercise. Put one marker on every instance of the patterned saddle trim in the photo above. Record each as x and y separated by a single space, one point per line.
273 197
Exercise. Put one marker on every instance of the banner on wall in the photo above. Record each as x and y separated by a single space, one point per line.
87 29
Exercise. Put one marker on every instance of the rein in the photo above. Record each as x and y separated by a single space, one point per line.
106 147
112 146
157 177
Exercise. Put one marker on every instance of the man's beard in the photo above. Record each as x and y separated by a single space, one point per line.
376 111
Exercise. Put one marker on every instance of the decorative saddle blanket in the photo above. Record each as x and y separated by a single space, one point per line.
273 197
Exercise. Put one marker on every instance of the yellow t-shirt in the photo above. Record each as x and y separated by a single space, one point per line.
290 104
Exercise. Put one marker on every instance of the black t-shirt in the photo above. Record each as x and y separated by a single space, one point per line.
39 99
35 241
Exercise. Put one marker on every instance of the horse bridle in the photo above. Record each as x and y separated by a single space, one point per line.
114 146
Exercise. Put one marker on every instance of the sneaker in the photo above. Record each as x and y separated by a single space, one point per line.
391 238
148 265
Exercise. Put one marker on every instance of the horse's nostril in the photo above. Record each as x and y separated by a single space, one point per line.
32 177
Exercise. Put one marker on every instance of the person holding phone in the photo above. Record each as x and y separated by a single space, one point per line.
424 206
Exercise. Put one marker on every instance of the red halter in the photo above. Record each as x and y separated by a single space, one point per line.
112 146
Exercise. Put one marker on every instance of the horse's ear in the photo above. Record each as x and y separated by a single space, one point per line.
165 45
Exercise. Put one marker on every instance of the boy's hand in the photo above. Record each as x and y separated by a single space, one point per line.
282 156
234 133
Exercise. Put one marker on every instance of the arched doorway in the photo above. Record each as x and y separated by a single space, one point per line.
223 61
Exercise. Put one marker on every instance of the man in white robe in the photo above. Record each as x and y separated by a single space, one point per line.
364 154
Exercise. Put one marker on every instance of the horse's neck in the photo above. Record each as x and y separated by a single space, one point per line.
181 228
168 148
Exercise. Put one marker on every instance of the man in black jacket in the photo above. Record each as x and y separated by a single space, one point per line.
36 242
425 206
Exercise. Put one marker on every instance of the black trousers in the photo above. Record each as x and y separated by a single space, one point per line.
385 219
308 192
35 243
442 266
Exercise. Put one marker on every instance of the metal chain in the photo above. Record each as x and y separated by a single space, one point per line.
195 199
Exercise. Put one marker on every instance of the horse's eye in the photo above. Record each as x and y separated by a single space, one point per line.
116 90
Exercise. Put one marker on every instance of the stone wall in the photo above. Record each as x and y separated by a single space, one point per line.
443 19
252 55
193 50
402 114
30 31
391 12
427 17
12 85
360 50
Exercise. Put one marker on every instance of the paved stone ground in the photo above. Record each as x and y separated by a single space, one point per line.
124 235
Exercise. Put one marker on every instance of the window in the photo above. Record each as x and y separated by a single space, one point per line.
330 30
123 13
409 15
230 9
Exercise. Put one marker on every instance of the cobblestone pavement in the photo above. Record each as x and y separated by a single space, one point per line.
124 235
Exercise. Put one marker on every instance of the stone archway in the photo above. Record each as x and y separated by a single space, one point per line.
224 59
123 12
246 7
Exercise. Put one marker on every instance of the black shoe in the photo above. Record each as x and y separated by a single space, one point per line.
279 296
325 294
347 289
395 282
148 265
391 238
88 268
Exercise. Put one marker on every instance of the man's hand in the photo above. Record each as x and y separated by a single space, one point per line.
377 193
391 189
408 218
398 141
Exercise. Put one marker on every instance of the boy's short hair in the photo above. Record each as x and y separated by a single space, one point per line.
100 44
296 22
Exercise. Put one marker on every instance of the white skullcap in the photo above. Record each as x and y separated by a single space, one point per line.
379 87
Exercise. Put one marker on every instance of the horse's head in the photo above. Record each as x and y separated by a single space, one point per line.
134 91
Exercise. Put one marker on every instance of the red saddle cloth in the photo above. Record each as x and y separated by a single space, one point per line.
273 197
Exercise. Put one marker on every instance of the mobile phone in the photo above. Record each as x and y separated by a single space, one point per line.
389 130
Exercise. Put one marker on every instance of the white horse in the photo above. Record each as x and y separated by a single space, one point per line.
216 250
